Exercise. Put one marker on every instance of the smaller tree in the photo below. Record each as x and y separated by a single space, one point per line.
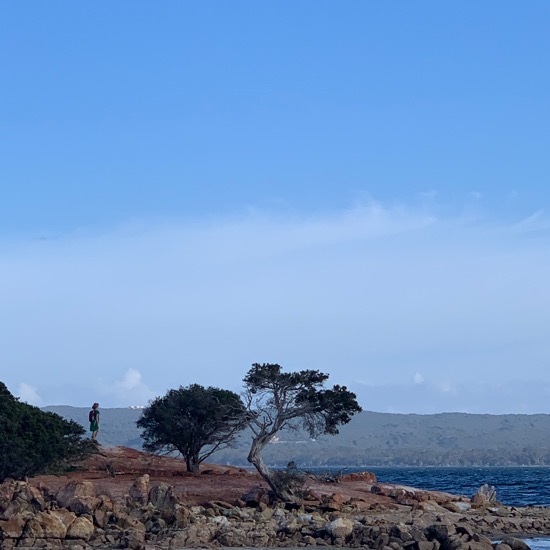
194 421
293 400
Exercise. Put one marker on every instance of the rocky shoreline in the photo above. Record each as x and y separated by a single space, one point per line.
81 514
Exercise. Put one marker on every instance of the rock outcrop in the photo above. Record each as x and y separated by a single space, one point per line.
122 498
152 515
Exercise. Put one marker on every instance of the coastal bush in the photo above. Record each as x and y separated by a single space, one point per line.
290 481
194 421
33 441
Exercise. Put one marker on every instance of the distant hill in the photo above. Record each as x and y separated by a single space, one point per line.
117 426
376 439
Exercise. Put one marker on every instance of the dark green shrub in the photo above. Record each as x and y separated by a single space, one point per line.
33 441
194 421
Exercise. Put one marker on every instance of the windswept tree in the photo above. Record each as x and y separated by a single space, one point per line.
294 400
194 421
33 441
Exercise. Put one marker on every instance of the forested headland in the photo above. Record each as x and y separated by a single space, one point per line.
376 439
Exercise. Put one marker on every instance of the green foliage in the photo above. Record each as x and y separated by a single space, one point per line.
195 421
33 441
298 399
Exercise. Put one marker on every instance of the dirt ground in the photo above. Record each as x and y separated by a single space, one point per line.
114 470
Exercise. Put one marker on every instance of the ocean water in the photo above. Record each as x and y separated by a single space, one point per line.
528 486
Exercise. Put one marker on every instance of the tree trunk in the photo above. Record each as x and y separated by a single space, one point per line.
192 462
255 458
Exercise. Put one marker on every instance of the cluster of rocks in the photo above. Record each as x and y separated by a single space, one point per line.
78 517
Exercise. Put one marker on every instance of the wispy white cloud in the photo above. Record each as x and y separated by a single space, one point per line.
431 195
370 293
28 394
130 389
537 221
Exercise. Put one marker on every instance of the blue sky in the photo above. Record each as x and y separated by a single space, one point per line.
188 188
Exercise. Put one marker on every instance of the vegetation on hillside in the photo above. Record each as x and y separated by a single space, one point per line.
321 454
33 441
374 439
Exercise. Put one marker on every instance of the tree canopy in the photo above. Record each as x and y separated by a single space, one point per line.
281 400
33 441
194 420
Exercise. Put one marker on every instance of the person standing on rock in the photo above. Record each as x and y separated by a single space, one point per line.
93 417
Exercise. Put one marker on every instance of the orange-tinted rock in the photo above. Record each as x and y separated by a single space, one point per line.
367 477
13 528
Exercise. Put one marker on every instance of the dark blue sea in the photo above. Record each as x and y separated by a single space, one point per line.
529 486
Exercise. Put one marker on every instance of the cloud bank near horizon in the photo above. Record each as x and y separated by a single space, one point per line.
395 298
